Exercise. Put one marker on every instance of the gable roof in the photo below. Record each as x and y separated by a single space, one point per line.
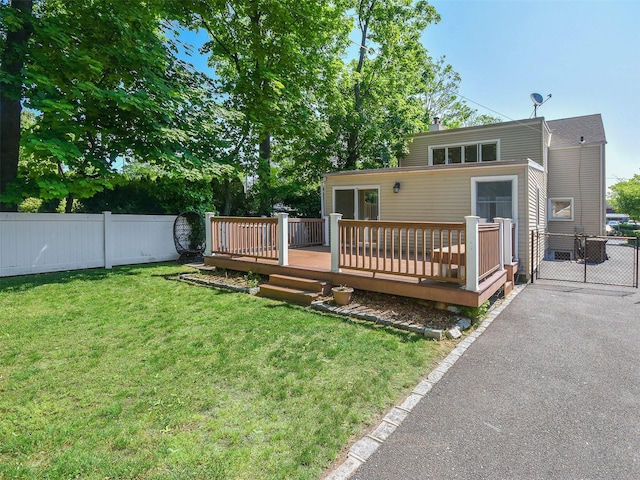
566 132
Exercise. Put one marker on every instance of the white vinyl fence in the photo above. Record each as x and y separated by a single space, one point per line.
50 242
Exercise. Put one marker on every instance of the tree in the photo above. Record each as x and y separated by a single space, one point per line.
107 88
269 56
15 30
625 197
392 89
441 83
385 79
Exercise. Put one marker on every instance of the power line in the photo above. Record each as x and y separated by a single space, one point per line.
494 111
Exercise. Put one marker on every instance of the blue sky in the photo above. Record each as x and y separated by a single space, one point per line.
586 54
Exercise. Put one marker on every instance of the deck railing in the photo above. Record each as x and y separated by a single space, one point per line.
306 232
425 250
488 249
463 253
245 236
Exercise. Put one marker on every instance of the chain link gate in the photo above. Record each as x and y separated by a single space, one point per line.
584 258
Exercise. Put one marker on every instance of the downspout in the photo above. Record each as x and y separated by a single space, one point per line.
603 181
322 198
322 213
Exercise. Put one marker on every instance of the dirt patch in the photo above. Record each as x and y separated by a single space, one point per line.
231 277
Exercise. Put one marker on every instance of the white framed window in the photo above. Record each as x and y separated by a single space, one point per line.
561 209
495 196
472 152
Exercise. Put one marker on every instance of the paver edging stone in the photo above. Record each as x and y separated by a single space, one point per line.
185 277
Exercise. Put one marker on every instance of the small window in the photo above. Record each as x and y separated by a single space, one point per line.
438 156
455 155
489 152
465 153
470 153
561 209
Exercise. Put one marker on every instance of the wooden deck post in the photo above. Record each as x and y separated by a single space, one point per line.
500 222
335 242
283 239
471 252
508 247
208 242
326 230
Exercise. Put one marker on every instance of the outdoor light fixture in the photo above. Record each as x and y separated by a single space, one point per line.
396 187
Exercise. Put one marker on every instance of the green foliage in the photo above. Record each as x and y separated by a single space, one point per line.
440 83
162 195
253 279
625 197
631 231
300 197
104 90
475 313
106 87
384 82
271 58
51 205
30 205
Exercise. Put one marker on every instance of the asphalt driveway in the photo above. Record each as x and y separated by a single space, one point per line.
550 390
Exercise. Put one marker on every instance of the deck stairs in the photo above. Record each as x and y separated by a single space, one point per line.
508 287
294 289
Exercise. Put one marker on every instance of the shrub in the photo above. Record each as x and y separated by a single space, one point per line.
30 205
163 195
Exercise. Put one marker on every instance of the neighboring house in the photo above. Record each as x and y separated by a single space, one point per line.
544 175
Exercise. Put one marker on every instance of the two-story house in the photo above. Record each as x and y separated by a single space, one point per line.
544 175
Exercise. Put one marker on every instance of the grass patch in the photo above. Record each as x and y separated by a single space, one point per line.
128 373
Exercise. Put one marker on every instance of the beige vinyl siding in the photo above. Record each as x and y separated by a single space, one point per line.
576 173
546 140
436 195
441 195
537 207
518 140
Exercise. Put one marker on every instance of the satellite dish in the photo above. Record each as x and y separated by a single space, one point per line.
537 99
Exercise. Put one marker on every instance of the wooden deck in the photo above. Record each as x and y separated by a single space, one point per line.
315 263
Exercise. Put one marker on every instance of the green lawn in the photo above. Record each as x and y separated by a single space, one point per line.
129 373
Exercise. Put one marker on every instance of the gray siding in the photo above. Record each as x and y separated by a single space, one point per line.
576 173
518 140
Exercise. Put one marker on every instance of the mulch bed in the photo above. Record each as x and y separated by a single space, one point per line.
406 310
391 307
